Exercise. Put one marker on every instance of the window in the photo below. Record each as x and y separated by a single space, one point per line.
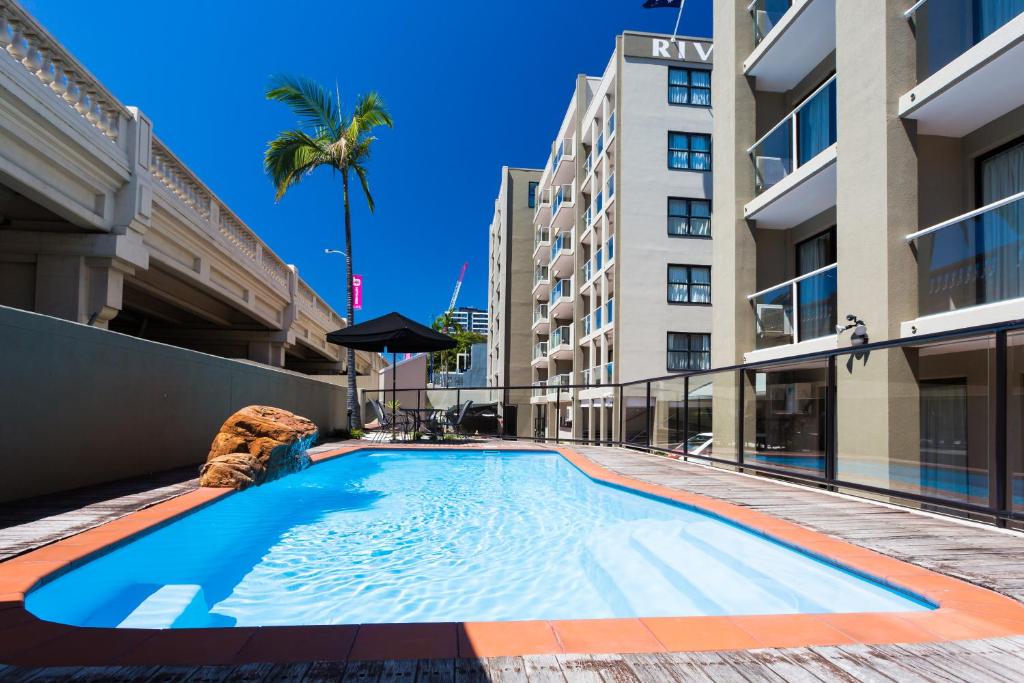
688 351
689 151
689 86
532 194
816 252
689 217
689 284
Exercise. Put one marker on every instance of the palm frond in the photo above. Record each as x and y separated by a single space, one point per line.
361 172
311 102
291 155
370 112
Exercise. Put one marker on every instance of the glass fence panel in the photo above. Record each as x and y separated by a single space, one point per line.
773 317
785 417
946 29
668 421
700 435
918 418
1015 419
816 308
773 157
976 261
766 14
635 414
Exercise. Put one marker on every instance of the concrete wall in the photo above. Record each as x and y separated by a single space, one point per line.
81 405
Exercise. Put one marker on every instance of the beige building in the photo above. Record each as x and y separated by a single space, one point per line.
621 285
869 167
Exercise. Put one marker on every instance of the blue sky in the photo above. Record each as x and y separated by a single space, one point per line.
471 85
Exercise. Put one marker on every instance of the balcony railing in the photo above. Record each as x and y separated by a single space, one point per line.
611 123
946 29
587 271
565 150
586 375
796 310
539 388
540 313
542 200
542 237
598 260
809 130
588 165
562 288
563 380
540 274
563 195
562 242
598 322
766 14
598 204
587 326
600 144
609 312
588 216
609 249
559 336
540 350
610 187
973 259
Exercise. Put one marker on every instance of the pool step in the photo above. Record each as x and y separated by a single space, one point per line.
172 606
638 584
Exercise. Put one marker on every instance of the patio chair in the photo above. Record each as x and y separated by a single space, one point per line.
455 415
388 424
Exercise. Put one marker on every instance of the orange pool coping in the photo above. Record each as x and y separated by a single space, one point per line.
964 611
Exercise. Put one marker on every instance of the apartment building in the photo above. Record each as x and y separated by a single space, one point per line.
471 319
510 271
869 171
621 283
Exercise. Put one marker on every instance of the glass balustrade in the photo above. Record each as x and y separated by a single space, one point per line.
766 14
797 310
946 29
975 259
809 130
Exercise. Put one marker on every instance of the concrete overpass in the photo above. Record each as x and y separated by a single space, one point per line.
101 223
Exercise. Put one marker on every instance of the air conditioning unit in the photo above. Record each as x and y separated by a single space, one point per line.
770 170
772 321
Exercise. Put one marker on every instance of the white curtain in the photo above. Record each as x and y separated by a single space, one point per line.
998 233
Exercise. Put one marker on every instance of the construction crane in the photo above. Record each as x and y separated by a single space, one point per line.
458 286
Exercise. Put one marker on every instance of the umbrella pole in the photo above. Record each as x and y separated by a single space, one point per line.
394 395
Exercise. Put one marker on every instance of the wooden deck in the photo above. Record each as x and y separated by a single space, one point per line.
982 555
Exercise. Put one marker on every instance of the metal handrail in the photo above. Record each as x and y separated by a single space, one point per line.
967 216
751 297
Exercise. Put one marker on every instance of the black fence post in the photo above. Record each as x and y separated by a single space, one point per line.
686 415
622 417
740 418
558 409
831 417
998 472
649 416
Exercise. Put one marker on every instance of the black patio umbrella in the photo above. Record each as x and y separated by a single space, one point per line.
392 333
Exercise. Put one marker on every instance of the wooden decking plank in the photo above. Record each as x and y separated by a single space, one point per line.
613 669
717 667
774 661
209 674
543 669
650 668
288 673
362 671
398 671
578 668
324 672
470 670
954 660
853 664
249 673
505 669
435 671
884 663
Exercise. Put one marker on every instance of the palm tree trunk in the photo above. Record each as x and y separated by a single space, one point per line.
354 416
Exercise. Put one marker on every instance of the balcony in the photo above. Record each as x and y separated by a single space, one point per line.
968 65
611 125
541 241
564 169
562 252
794 164
541 278
587 272
609 250
540 353
558 386
609 312
564 201
797 310
609 188
539 391
791 38
542 205
598 206
971 267
540 318
560 342
588 327
560 304
599 147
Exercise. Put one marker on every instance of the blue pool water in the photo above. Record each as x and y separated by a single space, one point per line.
446 536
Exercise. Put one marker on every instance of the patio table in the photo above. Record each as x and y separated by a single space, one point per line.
425 417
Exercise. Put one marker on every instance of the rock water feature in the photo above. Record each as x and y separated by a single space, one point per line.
256 445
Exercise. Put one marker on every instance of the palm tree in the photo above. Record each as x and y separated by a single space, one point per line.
327 137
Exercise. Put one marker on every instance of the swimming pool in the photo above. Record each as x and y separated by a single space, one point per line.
442 535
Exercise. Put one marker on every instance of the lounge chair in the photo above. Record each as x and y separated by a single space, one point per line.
455 415
399 423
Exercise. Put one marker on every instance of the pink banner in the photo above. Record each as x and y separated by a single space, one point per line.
357 292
